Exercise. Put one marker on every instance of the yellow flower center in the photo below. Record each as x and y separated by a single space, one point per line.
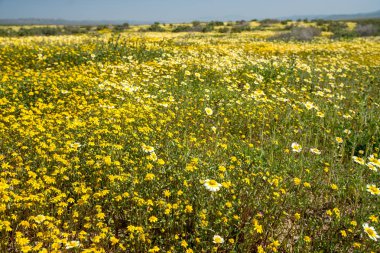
370 232
212 183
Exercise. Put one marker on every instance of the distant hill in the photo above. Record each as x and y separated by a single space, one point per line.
42 21
375 14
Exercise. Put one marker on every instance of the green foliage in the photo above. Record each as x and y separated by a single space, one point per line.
156 27
241 26
45 31
268 22
285 22
224 30
183 28
196 23
216 23
121 28
340 30
197 26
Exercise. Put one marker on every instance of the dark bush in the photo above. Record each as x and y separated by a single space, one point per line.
207 28
366 30
285 22
320 22
215 23
7 32
182 28
101 27
72 29
340 30
241 26
46 30
40 31
289 27
120 28
195 28
156 27
196 23
241 22
268 22
224 30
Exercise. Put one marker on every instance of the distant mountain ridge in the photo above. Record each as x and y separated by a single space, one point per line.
368 15
42 21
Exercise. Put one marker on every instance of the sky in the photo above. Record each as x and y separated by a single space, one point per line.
178 10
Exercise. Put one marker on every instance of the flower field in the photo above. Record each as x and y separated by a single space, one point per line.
189 143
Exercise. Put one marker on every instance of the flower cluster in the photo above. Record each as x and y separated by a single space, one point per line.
188 143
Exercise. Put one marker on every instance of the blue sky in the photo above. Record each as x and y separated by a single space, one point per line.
178 10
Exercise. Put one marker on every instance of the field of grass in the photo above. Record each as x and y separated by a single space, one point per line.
162 142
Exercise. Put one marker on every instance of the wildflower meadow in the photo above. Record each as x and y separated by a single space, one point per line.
162 142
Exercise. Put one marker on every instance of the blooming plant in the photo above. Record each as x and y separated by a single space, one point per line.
201 142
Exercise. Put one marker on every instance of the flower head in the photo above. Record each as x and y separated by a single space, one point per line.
147 149
72 244
371 232
309 105
39 218
358 160
339 140
208 111
296 147
75 145
374 161
297 181
212 185
315 151
373 189
217 239
371 166
153 219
